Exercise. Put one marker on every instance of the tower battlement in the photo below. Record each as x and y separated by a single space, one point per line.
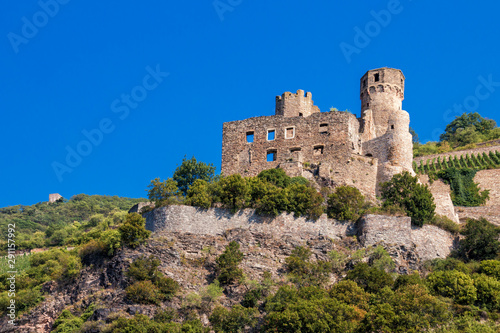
299 104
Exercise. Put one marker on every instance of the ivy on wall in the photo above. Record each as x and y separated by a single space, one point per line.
464 191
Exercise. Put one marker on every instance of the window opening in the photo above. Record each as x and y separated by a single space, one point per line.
271 134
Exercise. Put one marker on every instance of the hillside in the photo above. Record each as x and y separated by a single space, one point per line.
52 224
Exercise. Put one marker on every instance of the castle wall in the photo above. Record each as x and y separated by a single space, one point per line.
428 242
295 105
442 198
215 221
329 137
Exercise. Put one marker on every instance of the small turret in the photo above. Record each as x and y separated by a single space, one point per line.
295 105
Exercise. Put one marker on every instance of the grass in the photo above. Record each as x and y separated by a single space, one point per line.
21 264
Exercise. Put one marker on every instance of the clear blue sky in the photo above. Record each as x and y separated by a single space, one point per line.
158 78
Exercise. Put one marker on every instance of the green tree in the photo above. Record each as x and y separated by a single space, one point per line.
465 121
234 320
480 241
228 262
414 136
304 272
191 170
133 231
161 191
346 203
454 284
276 177
233 192
199 194
304 201
416 199
371 279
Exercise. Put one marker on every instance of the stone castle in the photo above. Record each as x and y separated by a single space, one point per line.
361 152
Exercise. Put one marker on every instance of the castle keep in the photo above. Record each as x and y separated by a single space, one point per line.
347 150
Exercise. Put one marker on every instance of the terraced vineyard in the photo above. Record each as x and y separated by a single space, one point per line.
478 161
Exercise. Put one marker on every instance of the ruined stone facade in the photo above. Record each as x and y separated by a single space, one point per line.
54 197
360 152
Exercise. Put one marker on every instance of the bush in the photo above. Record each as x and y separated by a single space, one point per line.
133 231
491 268
464 191
143 292
445 223
161 191
234 320
233 192
277 177
199 194
304 201
371 279
403 281
480 241
346 203
303 272
405 191
453 284
488 292
228 262
143 268
350 293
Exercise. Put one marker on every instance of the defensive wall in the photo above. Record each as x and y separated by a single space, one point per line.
428 242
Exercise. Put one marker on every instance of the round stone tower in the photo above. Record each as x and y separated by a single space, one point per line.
381 94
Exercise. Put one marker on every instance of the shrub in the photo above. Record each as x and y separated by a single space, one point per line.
445 223
133 231
144 268
371 279
303 272
491 268
161 191
299 180
346 203
143 292
277 177
91 251
454 284
199 194
488 292
379 258
233 192
405 191
403 281
228 262
234 320
304 201
465 192
350 293
111 240
480 241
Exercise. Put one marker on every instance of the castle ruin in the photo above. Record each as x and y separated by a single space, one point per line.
360 152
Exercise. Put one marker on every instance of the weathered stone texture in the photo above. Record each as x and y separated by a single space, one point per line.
54 197
442 197
349 151
490 180
215 221
138 208
490 213
429 242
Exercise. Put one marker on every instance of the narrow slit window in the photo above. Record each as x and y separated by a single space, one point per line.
323 128
377 77
289 132
271 134
271 155
250 136
392 126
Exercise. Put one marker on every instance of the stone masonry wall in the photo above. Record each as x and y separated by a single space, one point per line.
428 242
215 221
322 137
442 198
